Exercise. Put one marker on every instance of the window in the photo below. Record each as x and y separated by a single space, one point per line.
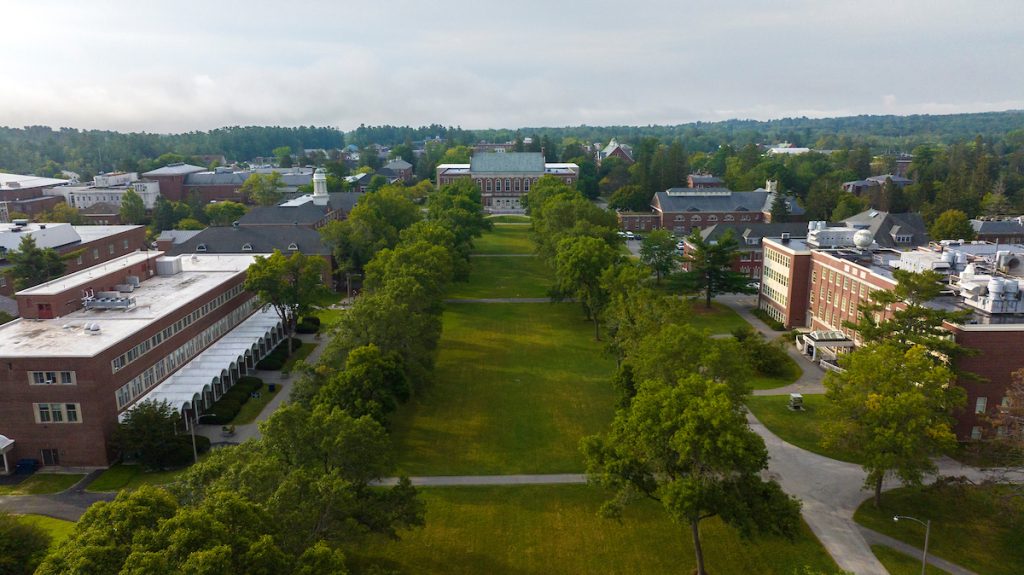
745 257
57 412
976 432
489 185
508 184
201 248
526 185
124 244
293 247
51 377
694 218
3 279
728 218
247 247
980 405
95 253
712 218
78 260
110 249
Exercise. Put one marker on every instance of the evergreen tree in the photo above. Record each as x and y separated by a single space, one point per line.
32 265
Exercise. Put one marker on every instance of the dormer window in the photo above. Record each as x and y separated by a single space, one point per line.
293 247
247 248
201 248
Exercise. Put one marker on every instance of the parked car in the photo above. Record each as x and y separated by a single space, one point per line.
630 236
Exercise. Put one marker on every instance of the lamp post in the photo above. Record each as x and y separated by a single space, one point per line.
927 531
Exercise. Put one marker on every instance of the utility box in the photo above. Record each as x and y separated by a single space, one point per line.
796 402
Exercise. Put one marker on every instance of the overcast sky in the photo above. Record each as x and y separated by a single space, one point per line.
197 65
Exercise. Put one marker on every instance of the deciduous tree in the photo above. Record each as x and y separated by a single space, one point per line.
263 189
133 210
149 435
579 265
224 213
289 284
892 407
951 225
22 545
688 447
658 251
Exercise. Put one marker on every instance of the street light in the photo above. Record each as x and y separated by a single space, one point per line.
927 531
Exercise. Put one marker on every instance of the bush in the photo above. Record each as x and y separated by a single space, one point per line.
768 359
772 322
235 394
307 327
249 384
22 545
312 320
270 363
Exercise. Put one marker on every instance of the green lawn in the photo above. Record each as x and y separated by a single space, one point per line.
297 355
718 319
516 387
980 528
42 483
500 277
251 409
131 476
328 317
801 428
510 219
897 563
541 530
57 528
505 239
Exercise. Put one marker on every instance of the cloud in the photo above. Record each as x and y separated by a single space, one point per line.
140 66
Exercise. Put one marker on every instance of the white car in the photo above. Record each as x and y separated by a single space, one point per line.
630 236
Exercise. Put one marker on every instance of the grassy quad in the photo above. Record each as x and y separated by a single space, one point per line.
505 239
980 528
504 277
556 529
42 484
516 387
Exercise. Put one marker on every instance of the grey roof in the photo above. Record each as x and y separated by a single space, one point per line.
177 236
178 169
303 215
398 164
262 239
507 162
8 305
898 180
997 226
702 179
756 230
216 178
716 200
885 226
100 208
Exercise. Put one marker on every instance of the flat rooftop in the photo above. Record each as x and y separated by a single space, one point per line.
155 298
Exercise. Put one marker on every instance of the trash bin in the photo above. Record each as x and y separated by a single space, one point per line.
271 387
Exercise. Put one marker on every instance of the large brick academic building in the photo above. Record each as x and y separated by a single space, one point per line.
92 344
504 177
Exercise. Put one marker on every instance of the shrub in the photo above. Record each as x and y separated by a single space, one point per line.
270 363
772 322
312 320
249 384
202 444
306 327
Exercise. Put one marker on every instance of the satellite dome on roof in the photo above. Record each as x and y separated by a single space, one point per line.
863 239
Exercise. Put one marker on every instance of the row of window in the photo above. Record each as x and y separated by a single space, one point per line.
139 350
96 252
511 184
776 276
775 295
773 312
57 412
712 218
52 378
774 256
147 379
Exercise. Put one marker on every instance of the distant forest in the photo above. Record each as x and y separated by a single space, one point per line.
44 151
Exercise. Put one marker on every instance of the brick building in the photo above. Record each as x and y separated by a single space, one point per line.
681 210
504 177
750 259
819 283
80 246
1009 231
92 344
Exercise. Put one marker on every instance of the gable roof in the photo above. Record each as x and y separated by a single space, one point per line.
886 226
398 164
178 169
747 230
676 200
997 226
501 162
262 239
